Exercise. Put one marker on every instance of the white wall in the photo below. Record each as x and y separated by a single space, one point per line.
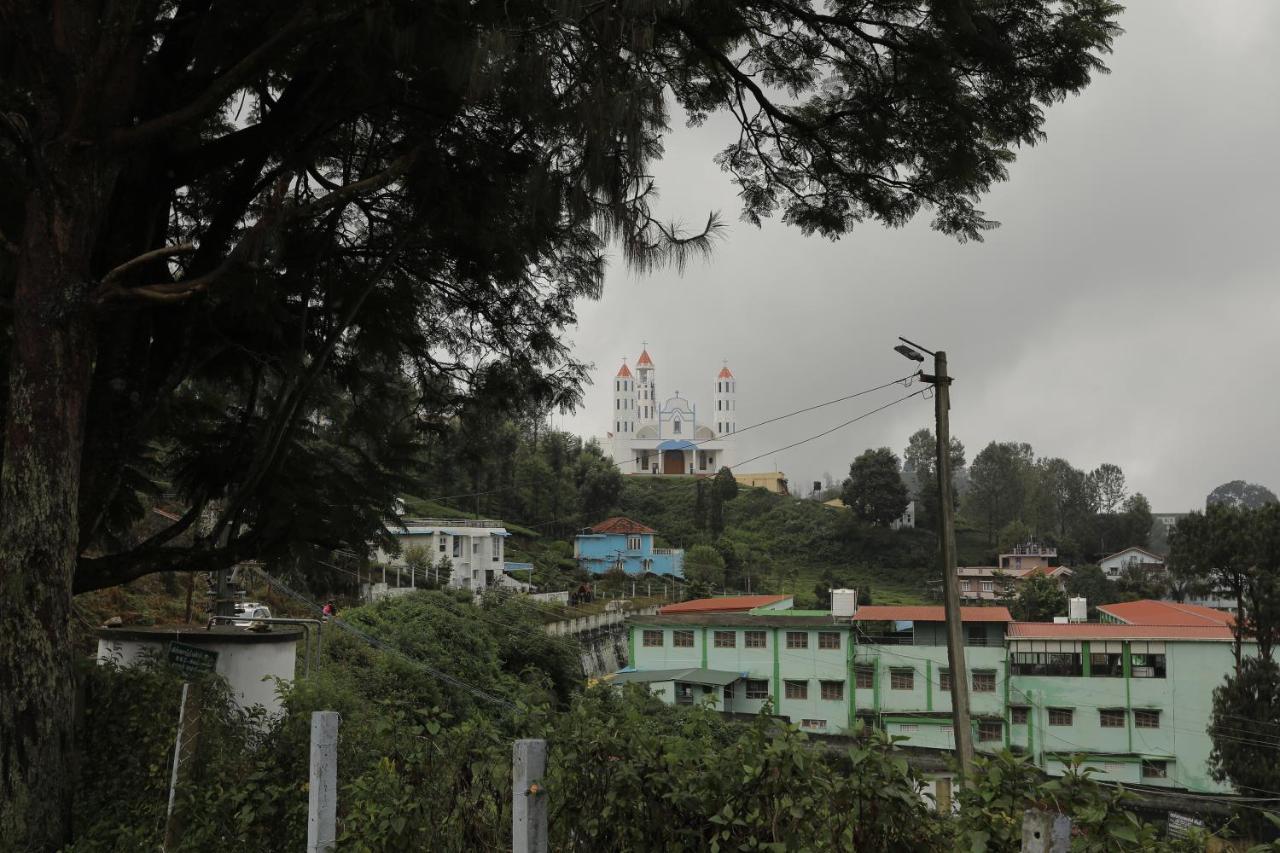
251 669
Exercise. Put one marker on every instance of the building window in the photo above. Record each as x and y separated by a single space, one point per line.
1107 664
944 680
864 677
726 639
457 546
633 543
813 724
902 679
833 690
984 681
797 639
1146 718
1018 715
795 689
444 542
828 639
1155 769
682 639
757 690
1064 662
653 638
1111 718
728 691
754 639
907 728
989 730
675 426
988 586
1146 660
1060 716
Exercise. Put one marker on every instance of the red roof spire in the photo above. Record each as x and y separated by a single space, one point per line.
724 373
644 359
624 372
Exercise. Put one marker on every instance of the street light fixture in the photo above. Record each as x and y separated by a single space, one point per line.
908 352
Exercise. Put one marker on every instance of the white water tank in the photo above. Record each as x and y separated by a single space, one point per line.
844 603
1077 609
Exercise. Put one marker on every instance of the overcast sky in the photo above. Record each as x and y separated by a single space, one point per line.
1126 311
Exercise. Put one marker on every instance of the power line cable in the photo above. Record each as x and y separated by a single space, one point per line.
695 443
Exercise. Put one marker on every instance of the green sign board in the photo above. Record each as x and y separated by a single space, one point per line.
191 661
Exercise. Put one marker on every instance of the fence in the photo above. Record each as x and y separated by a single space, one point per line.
1042 832
595 621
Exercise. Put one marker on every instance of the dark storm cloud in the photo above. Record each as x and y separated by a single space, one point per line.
1126 311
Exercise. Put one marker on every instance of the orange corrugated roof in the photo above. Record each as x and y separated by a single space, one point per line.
620 524
1045 570
1106 631
724 373
1151 612
725 603
644 359
624 372
928 613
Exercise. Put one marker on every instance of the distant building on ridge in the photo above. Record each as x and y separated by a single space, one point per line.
651 436
620 543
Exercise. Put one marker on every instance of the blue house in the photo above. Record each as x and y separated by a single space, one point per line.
622 543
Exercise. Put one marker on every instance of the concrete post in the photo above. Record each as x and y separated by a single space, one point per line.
942 794
1045 832
322 796
528 798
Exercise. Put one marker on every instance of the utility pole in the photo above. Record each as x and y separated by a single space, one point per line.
960 720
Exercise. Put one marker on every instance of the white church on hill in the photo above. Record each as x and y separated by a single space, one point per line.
652 437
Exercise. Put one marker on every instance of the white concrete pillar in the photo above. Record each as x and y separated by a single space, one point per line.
322 795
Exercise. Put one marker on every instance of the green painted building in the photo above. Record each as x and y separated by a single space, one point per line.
1133 700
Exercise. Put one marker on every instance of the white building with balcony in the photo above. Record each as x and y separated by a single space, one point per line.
474 549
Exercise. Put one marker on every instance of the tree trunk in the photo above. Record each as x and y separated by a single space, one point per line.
51 355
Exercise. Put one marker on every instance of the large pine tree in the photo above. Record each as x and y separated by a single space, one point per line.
238 241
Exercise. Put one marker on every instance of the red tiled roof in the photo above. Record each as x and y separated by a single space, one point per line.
644 359
724 373
726 603
624 372
1045 570
1105 631
619 524
1149 612
927 613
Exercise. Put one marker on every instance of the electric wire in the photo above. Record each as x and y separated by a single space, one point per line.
775 419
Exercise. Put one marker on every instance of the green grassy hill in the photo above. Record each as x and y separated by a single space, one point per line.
792 544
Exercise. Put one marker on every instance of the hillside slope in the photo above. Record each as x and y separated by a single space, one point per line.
793 544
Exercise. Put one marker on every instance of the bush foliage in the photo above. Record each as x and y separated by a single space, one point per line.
424 765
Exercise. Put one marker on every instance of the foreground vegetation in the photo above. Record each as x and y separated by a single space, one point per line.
425 763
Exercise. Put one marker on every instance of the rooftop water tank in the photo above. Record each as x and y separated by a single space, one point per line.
844 603
1077 609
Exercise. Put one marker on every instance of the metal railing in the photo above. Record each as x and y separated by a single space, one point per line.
450 522
276 620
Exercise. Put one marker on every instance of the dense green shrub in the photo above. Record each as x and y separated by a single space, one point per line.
629 774
425 765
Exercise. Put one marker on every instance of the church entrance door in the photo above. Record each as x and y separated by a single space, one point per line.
673 461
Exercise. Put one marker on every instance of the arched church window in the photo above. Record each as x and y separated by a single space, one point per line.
675 426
